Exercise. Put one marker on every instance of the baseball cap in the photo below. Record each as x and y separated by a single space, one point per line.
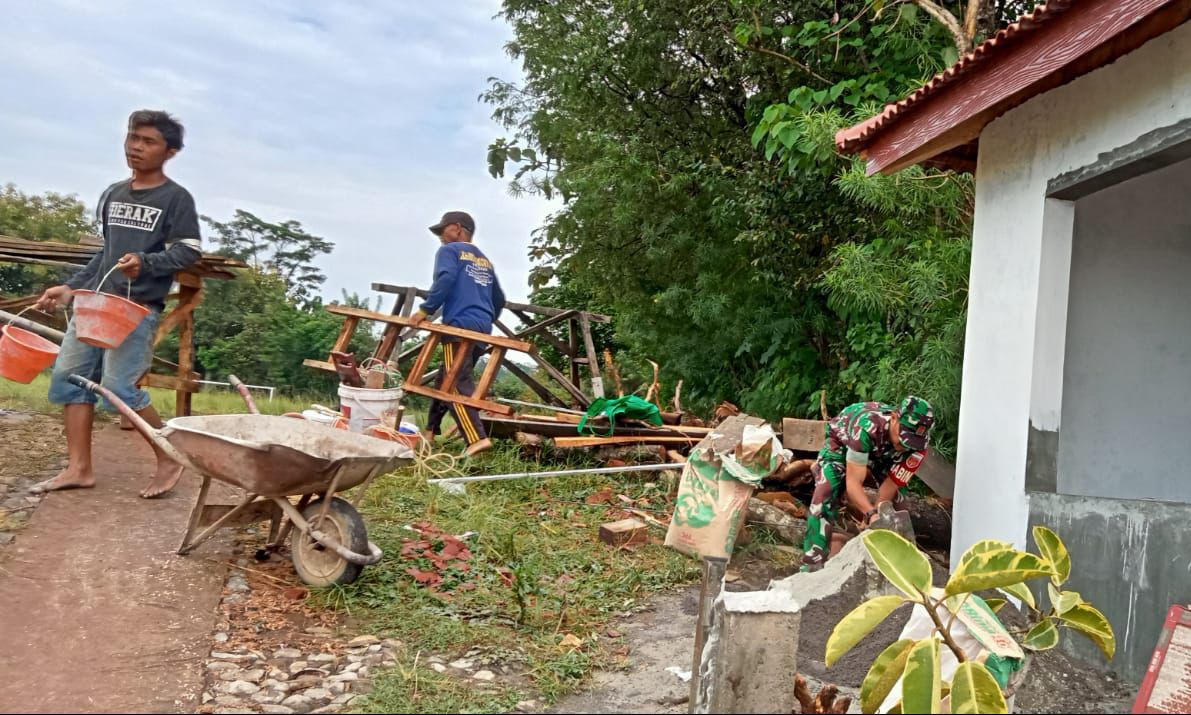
462 218
915 417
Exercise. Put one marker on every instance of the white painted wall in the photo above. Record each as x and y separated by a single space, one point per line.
1007 381
1127 375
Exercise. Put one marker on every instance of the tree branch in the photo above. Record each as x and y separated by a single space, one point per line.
973 16
942 15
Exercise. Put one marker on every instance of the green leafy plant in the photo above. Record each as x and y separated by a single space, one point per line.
988 565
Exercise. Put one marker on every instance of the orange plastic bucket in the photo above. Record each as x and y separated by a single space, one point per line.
105 320
24 354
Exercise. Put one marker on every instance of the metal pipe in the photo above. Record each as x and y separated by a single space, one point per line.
540 407
560 473
47 333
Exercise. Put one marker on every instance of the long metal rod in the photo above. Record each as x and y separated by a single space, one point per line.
540 407
561 473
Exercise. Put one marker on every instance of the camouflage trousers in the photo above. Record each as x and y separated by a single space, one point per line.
830 482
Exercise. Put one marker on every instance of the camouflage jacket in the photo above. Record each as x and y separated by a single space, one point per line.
860 434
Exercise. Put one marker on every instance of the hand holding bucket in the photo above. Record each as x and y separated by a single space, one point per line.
105 320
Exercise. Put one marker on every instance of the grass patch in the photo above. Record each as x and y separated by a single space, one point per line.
212 401
538 573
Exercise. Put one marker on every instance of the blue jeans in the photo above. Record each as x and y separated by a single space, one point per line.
117 369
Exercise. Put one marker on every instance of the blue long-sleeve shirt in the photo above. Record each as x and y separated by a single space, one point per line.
465 287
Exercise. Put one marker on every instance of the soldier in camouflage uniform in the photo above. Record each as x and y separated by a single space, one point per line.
889 441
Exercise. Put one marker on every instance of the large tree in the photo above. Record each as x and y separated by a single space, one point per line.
704 204
284 248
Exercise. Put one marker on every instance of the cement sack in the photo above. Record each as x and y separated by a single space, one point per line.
715 489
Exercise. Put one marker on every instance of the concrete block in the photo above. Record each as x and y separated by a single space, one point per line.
803 435
750 656
625 531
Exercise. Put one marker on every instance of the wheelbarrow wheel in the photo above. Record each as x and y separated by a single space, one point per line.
319 566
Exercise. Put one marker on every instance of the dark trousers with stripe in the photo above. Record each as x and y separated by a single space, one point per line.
468 418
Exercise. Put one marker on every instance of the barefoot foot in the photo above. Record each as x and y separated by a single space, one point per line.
66 480
164 480
482 446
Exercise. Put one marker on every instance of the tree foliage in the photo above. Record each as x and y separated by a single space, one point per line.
704 204
284 248
49 217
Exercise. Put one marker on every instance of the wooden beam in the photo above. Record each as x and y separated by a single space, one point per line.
1076 42
577 442
597 379
459 399
170 382
539 309
495 358
539 389
437 328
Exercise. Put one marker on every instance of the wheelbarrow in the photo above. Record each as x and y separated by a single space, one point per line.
273 459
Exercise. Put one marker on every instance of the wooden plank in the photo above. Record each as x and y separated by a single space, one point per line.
546 336
448 384
439 328
459 399
495 358
414 376
597 380
539 309
803 435
539 389
170 382
573 339
938 474
319 365
191 297
577 442
346 333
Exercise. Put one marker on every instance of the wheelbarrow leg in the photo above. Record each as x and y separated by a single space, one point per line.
218 523
195 515
288 526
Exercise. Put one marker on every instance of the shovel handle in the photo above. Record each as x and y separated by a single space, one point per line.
244 393
153 435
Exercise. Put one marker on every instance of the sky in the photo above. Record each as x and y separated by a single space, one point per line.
359 119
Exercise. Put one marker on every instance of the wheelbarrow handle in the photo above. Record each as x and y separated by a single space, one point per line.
244 393
150 433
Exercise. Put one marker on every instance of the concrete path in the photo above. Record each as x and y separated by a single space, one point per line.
97 613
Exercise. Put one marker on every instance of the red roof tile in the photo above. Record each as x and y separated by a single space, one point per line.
853 139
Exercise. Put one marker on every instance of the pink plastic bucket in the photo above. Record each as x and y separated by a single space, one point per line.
24 354
105 320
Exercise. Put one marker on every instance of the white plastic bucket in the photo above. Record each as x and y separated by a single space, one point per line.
365 408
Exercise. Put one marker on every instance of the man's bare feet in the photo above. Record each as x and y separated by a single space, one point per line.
67 479
482 446
164 480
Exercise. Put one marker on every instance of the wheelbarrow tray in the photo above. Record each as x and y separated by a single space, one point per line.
273 456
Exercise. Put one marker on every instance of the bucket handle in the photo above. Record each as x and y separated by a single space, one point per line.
29 308
99 288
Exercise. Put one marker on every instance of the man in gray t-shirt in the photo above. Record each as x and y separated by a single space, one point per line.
150 232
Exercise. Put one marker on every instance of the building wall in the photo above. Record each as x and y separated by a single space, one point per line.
1011 414
1127 372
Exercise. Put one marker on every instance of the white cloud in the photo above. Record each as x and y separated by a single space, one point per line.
358 119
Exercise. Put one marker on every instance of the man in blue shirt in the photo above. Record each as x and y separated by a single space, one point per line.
466 288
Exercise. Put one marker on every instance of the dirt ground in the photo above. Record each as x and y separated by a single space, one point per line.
31 450
99 612
658 638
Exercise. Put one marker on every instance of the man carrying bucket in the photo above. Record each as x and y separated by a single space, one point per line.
150 232
466 288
